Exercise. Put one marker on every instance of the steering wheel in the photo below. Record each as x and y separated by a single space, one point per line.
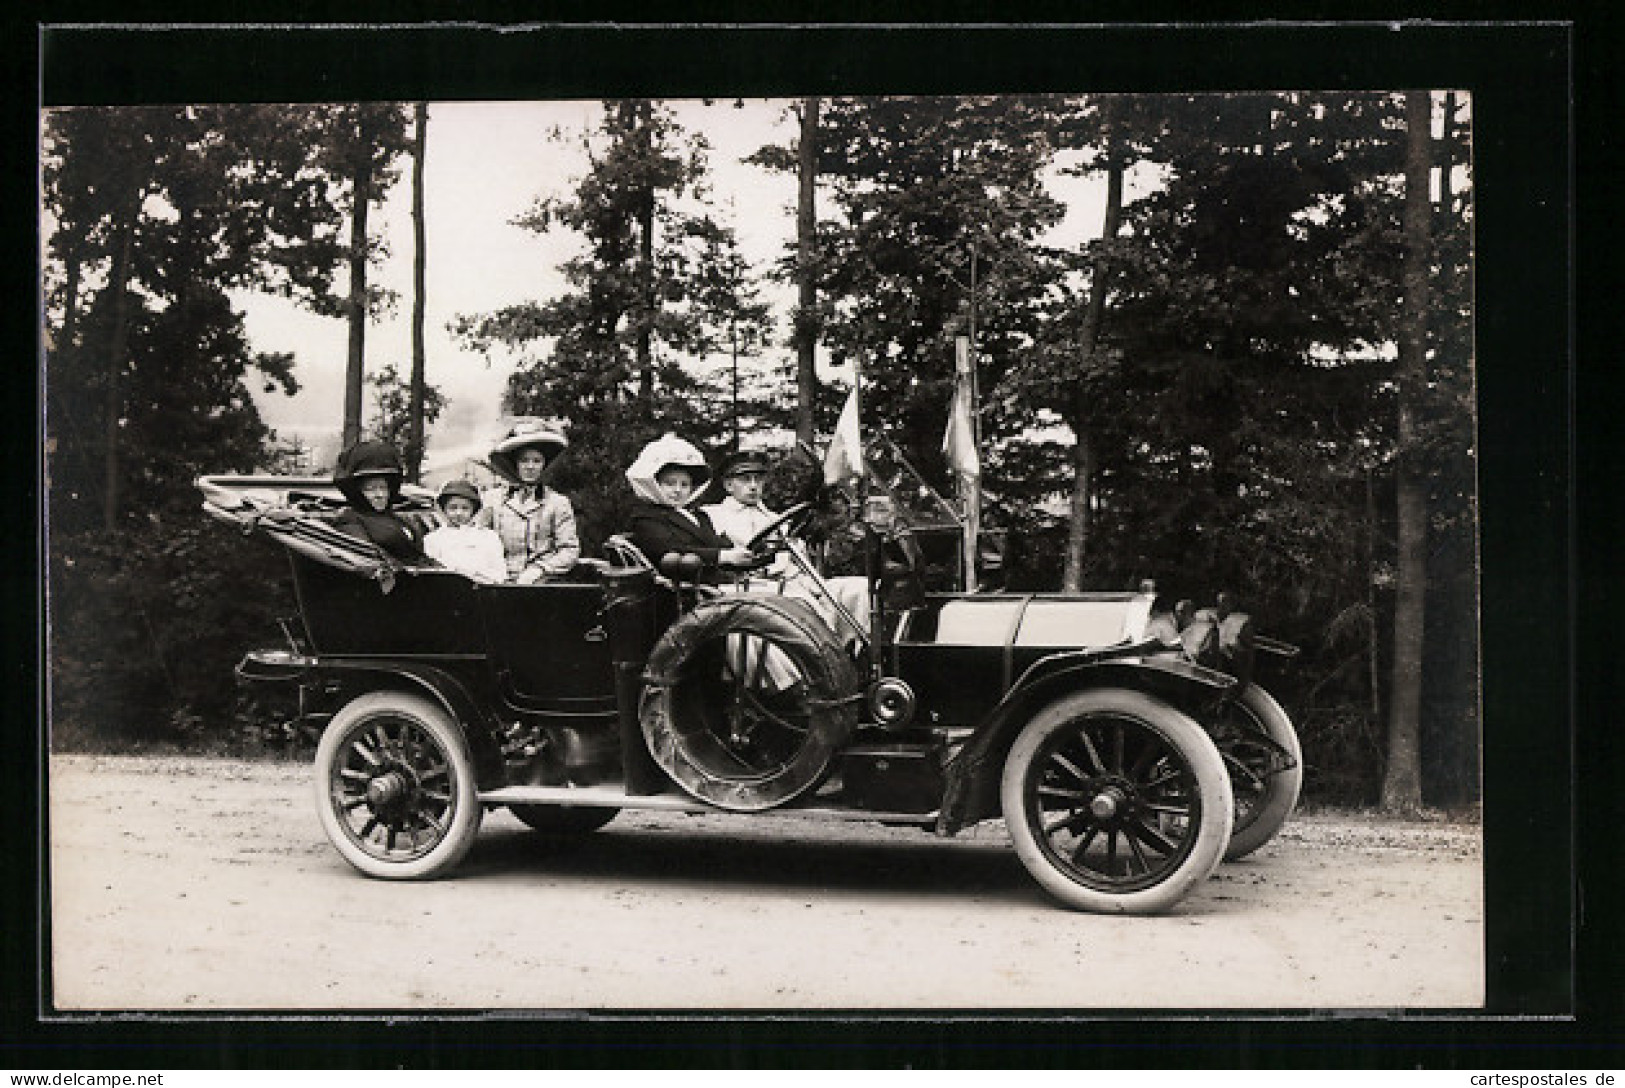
791 522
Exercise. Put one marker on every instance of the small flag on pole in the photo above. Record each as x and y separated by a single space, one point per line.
959 448
959 443
844 460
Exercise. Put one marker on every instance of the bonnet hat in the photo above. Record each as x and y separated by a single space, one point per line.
667 451
364 459
525 434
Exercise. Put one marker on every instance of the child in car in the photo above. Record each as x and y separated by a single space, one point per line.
460 544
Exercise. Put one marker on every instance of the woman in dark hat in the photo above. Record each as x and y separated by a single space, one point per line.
369 475
537 524
665 477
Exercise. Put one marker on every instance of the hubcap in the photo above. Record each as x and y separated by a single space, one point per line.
1107 802
385 790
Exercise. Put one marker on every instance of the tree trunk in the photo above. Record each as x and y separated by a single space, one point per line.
806 327
733 347
118 348
646 265
1445 153
414 419
1083 451
355 368
1373 645
70 294
1402 783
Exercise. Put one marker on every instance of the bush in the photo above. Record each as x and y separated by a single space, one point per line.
145 627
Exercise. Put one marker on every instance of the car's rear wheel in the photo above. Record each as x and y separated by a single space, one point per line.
395 787
1116 802
563 819
1255 750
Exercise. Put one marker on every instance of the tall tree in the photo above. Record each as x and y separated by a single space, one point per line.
117 357
1402 781
364 142
157 213
358 308
414 430
916 187
1081 406
399 406
734 319
1450 739
640 116
806 316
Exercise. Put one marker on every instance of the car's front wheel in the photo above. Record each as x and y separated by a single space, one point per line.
395 787
1116 802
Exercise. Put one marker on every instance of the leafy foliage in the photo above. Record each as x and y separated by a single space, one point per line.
392 405
1239 398
158 214
146 626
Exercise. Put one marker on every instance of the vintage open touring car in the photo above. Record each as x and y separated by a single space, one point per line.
1120 737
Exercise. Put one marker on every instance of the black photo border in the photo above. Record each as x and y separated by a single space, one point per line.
1551 965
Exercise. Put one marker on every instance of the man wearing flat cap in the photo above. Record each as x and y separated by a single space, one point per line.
741 515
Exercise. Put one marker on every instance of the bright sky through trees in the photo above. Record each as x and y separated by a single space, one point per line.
487 163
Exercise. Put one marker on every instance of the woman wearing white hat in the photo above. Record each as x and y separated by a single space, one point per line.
666 477
537 524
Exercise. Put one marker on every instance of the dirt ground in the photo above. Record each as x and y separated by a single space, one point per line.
203 884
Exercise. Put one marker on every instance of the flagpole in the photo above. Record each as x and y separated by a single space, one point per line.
857 401
877 596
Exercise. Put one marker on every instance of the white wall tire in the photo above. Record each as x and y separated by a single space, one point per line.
1116 802
395 787
1263 801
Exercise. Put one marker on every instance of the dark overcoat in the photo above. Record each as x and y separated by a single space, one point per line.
658 530
386 529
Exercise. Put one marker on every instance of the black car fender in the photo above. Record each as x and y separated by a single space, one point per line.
357 676
972 778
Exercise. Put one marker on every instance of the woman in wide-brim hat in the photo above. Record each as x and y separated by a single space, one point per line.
537 524
666 477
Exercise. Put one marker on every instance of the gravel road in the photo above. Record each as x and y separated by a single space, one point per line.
204 884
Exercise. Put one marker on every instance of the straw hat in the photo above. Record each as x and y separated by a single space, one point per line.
526 434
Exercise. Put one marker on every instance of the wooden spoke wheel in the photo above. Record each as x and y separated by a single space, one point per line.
1116 801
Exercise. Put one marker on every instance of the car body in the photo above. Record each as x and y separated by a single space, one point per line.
1126 747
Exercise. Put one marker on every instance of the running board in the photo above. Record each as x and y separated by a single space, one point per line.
612 797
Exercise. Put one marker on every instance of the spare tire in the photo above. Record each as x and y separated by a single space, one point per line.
747 699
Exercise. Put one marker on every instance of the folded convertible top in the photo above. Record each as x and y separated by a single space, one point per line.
296 512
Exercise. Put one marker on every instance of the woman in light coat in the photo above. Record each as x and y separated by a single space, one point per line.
537 524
